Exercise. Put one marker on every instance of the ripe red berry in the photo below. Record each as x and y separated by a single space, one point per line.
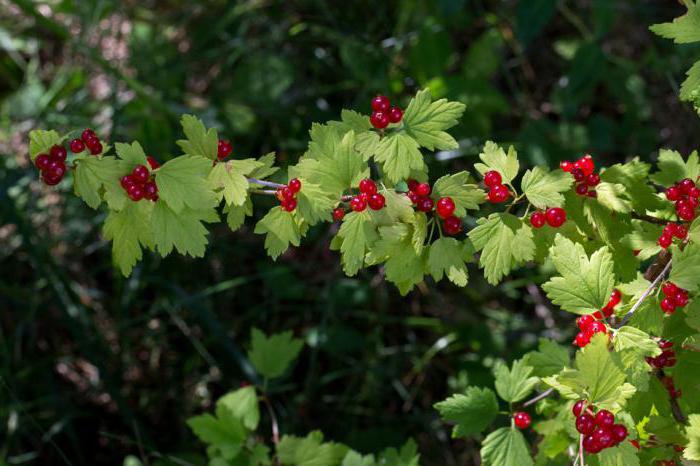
693 202
586 163
412 184
295 185
492 178
669 229
395 114
150 190
135 192
413 196
681 232
368 186
376 201
88 134
58 152
596 327
76 145
686 185
452 225
140 174
603 437
445 207
42 161
584 322
665 241
556 216
50 180
669 289
694 192
585 424
224 149
289 204
582 339
379 120
566 165
591 445
593 179
615 298
582 189
55 169
498 193
681 298
338 214
668 305
126 181
425 204
604 418
381 103
152 162
578 174
665 344
358 204
94 146
686 213
673 193
577 409
538 219
423 189
522 420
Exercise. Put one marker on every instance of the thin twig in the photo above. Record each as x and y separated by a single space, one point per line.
646 294
539 397
267 192
273 420
649 218
269 184
675 407
580 449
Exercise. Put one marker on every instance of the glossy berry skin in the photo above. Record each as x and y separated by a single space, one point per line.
681 298
577 409
585 424
358 204
286 193
224 149
498 194
556 216
584 321
615 297
492 178
452 225
152 162
603 437
289 204
76 146
294 185
42 161
694 192
395 115
566 165
412 184
582 339
597 327
604 418
379 120
126 181
445 207
413 197
668 305
423 189
582 189
665 241
590 445
686 213
338 214
538 219
135 192
381 103
58 152
368 186
56 169
425 204
593 179
686 185
522 420
669 289
673 193
578 174
681 232
50 180
150 190
586 163
94 146
376 201
140 173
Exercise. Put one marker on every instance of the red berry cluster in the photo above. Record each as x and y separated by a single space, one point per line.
667 382
87 139
666 463
670 231
224 149
667 358
368 197
554 217
383 113
583 171
419 194
599 429
498 192
52 165
287 195
139 184
590 324
522 420
674 297
685 194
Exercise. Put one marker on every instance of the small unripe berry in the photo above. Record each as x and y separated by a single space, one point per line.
445 207
492 178
423 189
368 186
498 194
395 114
379 120
295 185
140 174
376 201
522 420
556 216
76 146
452 225
338 214
358 204
538 219
381 103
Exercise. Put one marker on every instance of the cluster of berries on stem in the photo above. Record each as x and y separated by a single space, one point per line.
368 196
554 217
599 429
590 324
139 184
383 113
674 297
224 149
52 165
287 195
88 139
522 420
667 358
583 171
498 192
670 231
419 194
685 196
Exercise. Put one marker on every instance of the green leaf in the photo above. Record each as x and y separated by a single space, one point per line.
366 139
281 228
399 155
685 271
585 284
516 383
549 359
426 121
40 142
692 449
314 204
630 338
267 167
504 241
505 447
310 451
406 456
404 266
624 454
673 168
495 158
357 233
544 188
230 179
611 195
684 29
643 238
600 372
235 214
243 405
634 176
129 230
447 257
472 412
353 458
272 356
181 230
691 84
182 182
200 142
226 436
93 174
464 194
131 155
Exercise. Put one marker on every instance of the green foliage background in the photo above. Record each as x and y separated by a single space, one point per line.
94 366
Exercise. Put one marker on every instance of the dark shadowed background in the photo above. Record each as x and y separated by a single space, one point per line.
94 366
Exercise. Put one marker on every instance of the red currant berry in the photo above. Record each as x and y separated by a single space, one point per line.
413 196
224 149
582 189
669 229
445 207
686 185
673 193
584 322
591 445
140 174
603 437
56 169
379 120
585 424
596 327
289 204
381 103
338 214
556 216
412 184
126 181
423 189
150 190
582 339
88 134
50 180
498 194
694 192
358 204
395 114
538 219
135 192
681 298
686 213
604 418
681 232
665 241
425 204
94 146
492 178
58 152
452 225
295 185
522 420
592 194
76 146
668 305
593 179
669 289
577 409
566 165
368 186
693 202
665 344
152 162
376 201
42 161
615 298
578 174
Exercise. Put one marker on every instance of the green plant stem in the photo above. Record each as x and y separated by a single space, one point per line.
648 218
